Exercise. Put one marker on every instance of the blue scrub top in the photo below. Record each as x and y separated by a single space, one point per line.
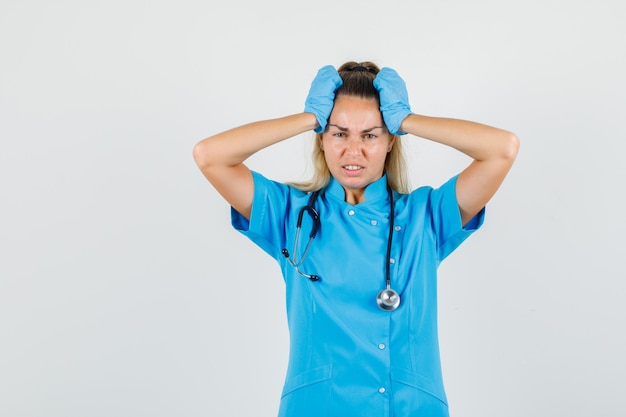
347 356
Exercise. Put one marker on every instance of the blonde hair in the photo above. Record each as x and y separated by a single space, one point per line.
358 81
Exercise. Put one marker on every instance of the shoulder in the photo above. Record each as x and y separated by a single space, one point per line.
428 201
428 193
275 195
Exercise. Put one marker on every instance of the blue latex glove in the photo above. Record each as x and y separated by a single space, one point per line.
321 96
394 99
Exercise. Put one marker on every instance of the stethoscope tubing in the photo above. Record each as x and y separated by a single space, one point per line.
387 299
293 260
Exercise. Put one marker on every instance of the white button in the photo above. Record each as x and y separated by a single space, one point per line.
382 390
392 261
374 222
381 346
398 228
351 212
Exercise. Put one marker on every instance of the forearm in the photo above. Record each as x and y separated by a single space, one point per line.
478 141
232 147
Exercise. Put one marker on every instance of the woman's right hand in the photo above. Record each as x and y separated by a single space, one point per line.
321 96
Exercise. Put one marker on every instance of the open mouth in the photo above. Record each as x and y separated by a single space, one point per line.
352 167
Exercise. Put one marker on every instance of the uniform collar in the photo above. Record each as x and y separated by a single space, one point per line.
376 191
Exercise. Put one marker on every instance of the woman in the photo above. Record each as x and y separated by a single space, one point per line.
361 274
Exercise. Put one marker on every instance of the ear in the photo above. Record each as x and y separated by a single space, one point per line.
320 142
392 141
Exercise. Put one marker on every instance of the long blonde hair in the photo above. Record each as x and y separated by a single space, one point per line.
358 81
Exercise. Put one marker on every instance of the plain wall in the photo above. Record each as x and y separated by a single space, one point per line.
124 291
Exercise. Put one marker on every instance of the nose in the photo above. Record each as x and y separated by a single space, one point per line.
353 147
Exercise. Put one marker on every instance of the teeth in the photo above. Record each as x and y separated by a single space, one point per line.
352 167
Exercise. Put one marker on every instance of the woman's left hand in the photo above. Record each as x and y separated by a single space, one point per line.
394 99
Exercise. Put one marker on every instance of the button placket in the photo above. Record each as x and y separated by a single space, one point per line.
383 349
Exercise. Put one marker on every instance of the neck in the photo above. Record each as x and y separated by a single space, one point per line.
354 197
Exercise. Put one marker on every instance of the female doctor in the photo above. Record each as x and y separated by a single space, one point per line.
358 251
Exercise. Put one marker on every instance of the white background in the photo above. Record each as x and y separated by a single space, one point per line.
124 291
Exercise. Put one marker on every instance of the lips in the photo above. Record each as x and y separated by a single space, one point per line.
352 170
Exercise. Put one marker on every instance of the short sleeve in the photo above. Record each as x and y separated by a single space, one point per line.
266 227
446 219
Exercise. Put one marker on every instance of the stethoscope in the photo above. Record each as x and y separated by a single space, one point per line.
315 217
387 299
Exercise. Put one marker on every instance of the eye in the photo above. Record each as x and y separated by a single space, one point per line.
339 134
369 136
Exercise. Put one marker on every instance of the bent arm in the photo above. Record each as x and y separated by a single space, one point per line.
493 150
220 157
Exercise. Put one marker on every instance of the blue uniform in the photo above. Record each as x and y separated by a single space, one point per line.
348 357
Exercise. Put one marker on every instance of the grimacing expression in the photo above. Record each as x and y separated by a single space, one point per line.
356 143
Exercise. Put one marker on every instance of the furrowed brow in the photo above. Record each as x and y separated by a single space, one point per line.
345 129
372 128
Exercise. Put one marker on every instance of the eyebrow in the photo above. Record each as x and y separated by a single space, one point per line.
345 129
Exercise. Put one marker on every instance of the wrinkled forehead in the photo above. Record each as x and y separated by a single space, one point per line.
356 114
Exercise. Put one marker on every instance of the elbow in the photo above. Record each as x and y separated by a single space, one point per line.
510 146
201 154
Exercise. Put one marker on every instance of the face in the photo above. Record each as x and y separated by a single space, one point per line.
356 144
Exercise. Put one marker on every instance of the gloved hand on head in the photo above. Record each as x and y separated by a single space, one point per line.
321 96
394 99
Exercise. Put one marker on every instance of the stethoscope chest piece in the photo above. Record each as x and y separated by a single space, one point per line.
388 299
